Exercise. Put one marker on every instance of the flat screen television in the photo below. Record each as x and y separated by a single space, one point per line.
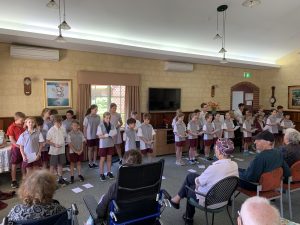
164 99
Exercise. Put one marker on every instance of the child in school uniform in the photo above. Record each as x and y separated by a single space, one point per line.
178 111
90 124
116 120
180 138
228 127
138 123
146 134
46 117
67 123
13 132
247 133
106 131
75 141
43 129
130 135
286 123
193 133
56 137
217 123
31 142
272 123
259 124
208 135
52 113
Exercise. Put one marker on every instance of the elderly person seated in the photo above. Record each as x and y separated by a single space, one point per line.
258 210
130 158
219 170
267 160
291 149
36 193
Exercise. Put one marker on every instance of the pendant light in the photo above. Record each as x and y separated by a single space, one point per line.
224 60
52 4
64 25
251 3
59 38
217 36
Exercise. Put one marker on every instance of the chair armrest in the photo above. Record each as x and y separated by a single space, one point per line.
249 182
115 205
5 221
198 193
91 205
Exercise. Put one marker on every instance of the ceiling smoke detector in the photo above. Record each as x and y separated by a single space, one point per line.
251 3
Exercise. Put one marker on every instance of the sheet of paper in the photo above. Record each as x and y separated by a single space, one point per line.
88 185
278 120
192 171
31 157
77 190
236 127
266 127
163 177
251 152
112 133
66 169
253 130
201 166
239 159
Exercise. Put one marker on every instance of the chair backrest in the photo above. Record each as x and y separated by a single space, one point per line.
271 180
61 218
295 170
137 190
222 191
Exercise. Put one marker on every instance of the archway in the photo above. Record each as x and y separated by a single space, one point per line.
247 93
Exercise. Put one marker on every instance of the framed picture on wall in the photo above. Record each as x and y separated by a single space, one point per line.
57 93
294 97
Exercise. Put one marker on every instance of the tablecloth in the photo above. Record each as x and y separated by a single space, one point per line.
5 158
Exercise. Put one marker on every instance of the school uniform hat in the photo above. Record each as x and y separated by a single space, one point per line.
225 146
265 135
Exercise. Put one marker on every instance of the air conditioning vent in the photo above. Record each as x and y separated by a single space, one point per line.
179 67
38 53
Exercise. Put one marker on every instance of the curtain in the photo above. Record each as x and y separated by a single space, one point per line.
132 100
83 103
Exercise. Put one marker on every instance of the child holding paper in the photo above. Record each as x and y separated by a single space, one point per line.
286 123
193 133
30 142
209 131
106 131
228 127
180 137
247 133
75 140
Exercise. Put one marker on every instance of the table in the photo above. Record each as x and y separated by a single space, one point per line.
5 158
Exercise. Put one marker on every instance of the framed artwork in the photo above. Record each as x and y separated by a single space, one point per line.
58 93
294 97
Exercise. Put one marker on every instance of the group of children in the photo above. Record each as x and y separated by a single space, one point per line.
42 141
206 128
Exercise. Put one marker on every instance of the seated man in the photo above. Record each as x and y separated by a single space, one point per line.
267 160
258 210
291 149
131 157
219 170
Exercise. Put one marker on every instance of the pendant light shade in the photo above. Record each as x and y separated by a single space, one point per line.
218 36
52 4
224 60
64 26
60 39
251 3
222 50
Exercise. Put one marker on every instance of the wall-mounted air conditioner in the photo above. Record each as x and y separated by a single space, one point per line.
179 67
38 53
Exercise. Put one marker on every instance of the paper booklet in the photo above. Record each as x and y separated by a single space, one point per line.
112 133
237 127
253 130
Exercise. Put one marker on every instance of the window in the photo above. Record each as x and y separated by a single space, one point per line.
103 95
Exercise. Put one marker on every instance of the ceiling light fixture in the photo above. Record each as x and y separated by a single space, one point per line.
59 38
224 60
64 25
222 9
52 4
218 36
251 3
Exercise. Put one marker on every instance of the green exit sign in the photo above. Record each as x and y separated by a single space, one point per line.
247 75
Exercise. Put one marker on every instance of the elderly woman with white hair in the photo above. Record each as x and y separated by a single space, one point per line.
291 150
219 170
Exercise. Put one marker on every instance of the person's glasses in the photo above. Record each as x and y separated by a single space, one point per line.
239 216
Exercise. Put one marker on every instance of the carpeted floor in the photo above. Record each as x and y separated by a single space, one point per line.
174 176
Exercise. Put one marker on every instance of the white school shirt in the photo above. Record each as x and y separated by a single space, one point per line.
228 125
194 127
57 136
145 131
108 141
129 137
174 122
287 124
248 126
179 129
208 127
218 126
214 173
30 142
91 123
239 116
272 128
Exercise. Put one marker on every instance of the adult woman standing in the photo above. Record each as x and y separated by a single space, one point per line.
116 120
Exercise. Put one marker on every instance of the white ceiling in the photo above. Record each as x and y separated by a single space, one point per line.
168 29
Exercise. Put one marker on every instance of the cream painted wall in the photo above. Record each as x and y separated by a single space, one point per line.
195 86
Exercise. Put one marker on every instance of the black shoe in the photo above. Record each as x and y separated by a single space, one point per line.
102 177
110 175
14 184
72 180
95 165
63 182
91 166
167 196
81 178
188 221
120 162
